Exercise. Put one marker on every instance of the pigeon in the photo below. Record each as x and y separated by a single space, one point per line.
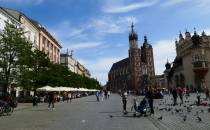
161 109
177 110
196 113
172 112
160 118
110 116
199 119
169 109
185 118
208 109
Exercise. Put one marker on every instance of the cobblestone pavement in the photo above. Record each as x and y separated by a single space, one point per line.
87 114
181 117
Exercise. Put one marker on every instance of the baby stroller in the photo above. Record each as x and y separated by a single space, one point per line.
142 108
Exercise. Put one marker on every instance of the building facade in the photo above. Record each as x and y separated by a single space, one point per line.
37 35
49 45
31 31
190 68
135 72
69 61
73 65
40 38
160 81
6 17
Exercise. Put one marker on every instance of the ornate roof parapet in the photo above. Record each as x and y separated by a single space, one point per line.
203 33
187 35
181 38
196 39
204 37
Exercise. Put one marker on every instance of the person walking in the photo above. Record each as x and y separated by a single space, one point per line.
174 93
124 96
207 93
51 99
35 100
69 96
181 93
102 95
105 94
108 93
150 97
97 95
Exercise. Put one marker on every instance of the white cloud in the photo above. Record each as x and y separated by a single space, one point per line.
112 25
95 29
173 2
65 30
116 8
200 6
163 50
99 68
207 31
83 45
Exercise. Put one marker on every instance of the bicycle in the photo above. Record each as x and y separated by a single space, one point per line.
5 108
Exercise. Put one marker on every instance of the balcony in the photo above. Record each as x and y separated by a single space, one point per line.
200 68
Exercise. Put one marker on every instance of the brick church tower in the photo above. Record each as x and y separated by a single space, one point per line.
135 60
148 62
137 70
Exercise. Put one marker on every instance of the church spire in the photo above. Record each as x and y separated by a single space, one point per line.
133 35
132 27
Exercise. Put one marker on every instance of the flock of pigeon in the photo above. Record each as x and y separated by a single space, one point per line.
185 110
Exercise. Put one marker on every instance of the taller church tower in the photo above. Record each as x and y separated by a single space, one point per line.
135 60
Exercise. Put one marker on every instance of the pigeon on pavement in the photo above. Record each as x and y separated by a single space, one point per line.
199 119
160 118
185 118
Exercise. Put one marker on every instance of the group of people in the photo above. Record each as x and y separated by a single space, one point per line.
51 98
149 96
177 92
104 94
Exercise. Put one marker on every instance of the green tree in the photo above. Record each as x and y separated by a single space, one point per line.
33 72
13 49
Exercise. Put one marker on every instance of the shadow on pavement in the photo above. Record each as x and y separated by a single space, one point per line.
91 101
111 112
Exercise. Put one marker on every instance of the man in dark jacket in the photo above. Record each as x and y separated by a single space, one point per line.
124 96
51 99
174 93
150 97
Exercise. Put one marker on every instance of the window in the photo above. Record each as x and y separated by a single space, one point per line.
35 39
29 35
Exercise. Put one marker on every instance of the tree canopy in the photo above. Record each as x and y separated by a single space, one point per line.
31 68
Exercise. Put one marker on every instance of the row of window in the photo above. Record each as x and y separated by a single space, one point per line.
50 49
119 72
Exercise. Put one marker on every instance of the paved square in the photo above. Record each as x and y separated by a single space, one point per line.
87 114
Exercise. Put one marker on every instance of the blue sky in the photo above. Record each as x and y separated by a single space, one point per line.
97 30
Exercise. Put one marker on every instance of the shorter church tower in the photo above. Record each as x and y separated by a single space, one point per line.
148 61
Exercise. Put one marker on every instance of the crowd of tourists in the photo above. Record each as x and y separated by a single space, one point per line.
151 93
102 95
